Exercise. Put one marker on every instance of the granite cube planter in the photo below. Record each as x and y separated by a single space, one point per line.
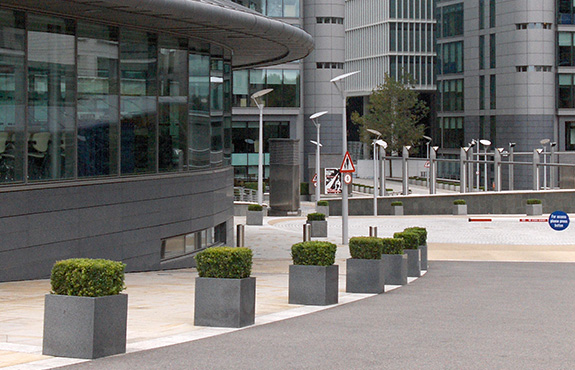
85 327
313 285
397 210
395 268
534 209
413 262
364 276
322 209
459 209
423 256
254 217
226 303
318 229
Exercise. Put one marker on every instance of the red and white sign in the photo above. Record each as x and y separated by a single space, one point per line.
427 164
347 178
314 180
347 164
332 181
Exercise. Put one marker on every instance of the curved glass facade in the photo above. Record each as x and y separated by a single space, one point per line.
85 100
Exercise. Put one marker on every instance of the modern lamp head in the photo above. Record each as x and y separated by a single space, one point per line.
381 143
539 150
436 148
545 141
427 138
512 145
485 142
372 131
315 143
345 75
259 94
317 115
553 143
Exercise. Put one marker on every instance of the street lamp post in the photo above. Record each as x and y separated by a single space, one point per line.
314 118
428 141
544 142
257 98
485 144
344 196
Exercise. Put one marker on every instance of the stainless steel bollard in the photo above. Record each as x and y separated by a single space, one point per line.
306 232
373 231
240 235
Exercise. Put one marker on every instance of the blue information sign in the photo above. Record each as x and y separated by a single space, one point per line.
559 220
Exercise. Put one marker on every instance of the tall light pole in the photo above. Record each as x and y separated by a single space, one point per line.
428 141
485 144
375 158
337 81
544 142
314 118
257 98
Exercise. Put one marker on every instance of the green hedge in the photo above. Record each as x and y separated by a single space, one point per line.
316 217
314 253
365 247
225 263
459 202
304 188
251 185
410 239
534 201
323 203
421 231
86 277
392 245
255 207
396 203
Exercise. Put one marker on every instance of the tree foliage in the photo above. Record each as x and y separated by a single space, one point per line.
395 110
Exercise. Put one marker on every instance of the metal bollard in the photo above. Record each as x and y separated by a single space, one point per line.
306 232
240 235
373 231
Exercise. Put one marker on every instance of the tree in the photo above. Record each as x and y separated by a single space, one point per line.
394 109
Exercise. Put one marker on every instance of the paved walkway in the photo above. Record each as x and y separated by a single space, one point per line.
161 303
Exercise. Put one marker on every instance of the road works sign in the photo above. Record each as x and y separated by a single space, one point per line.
347 164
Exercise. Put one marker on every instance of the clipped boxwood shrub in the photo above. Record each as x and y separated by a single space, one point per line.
459 202
255 207
323 203
87 277
365 247
225 263
410 239
314 253
304 188
396 203
392 245
421 231
315 216
534 201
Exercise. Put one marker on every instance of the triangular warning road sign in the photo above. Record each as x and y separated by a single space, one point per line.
314 180
347 164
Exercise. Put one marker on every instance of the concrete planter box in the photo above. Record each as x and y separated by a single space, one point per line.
313 285
413 262
397 210
225 302
459 209
364 276
84 327
395 268
322 209
255 217
534 209
318 229
423 256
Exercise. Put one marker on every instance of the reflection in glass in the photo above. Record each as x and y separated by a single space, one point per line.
98 91
216 114
173 104
138 104
199 111
51 98
12 96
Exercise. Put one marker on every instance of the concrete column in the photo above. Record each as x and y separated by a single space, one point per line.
462 170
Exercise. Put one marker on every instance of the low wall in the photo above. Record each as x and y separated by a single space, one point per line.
510 202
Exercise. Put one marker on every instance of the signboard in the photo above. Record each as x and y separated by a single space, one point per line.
332 181
347 164
427 164
558 220
347 178
314 180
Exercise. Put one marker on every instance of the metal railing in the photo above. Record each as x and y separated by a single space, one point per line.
242 194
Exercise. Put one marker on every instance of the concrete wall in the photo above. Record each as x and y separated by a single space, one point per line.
477 203
121 219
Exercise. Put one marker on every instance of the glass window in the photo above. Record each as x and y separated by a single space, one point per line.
274 8
173 104
216 113
481 92
570 135
493 130
452 20
12 95
291 8
453 57
291 94
565 50
51 98
492 13
481 52
199 111
138 71
492 92
492 51
565 91
241 86
481 14
98 100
